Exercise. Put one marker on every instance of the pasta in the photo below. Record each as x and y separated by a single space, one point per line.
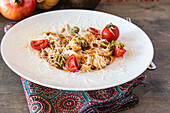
91 51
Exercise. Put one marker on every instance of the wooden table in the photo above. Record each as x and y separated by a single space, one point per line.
154 19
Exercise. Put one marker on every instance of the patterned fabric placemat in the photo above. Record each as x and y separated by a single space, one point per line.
42 99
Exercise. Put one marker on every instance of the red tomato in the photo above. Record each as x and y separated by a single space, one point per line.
71 63
110 32
17 9
119 51
93 31
39 44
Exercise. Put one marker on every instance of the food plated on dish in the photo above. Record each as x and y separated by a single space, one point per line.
37 65
77 50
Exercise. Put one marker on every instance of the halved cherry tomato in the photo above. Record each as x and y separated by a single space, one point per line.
119 51
39 44
71 63
110 32
93 31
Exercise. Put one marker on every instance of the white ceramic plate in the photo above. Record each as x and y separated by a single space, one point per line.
136 60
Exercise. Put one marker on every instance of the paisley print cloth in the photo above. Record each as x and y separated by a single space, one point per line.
42 99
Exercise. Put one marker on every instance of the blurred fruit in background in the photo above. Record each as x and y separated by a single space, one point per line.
17 9
20 9
46 4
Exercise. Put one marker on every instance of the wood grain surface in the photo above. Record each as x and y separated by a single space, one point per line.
154 19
